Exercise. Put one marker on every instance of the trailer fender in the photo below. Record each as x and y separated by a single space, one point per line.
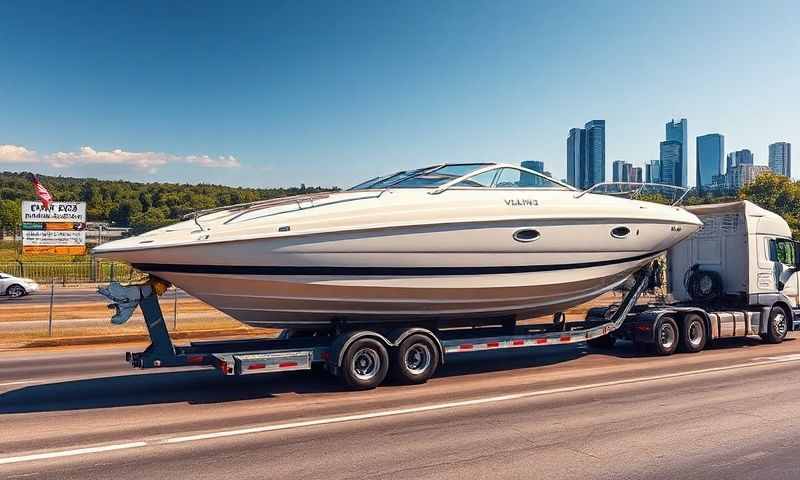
340 344
397 336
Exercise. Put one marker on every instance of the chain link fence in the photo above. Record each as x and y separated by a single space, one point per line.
94 271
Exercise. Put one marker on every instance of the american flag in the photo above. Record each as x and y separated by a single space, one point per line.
41 192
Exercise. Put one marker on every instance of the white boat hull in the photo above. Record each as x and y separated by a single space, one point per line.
408 256
307 301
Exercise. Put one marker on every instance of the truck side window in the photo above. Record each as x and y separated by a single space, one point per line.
781 252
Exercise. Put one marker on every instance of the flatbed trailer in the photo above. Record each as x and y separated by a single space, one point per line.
361 355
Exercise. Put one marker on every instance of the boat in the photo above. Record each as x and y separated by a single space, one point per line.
445 245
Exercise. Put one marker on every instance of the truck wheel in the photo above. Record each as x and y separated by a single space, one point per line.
693 333
777 326
365 364
666 336
415 360
605 342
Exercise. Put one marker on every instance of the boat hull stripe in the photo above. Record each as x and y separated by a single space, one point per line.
374 271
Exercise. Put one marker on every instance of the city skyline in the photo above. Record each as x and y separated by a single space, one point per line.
261 94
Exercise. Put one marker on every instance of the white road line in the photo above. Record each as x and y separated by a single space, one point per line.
467 403
70 453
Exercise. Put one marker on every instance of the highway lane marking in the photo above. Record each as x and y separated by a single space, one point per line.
395 412
70 453
469 403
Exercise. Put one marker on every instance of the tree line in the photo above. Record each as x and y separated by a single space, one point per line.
140 206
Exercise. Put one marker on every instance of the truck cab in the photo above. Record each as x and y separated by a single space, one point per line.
745 254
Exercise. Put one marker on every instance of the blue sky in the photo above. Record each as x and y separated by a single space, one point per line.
278 93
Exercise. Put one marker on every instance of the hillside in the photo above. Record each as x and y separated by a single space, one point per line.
141 206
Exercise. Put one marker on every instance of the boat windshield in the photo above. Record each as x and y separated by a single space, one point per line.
428 177
504 176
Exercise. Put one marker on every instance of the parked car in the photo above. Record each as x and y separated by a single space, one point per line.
16 287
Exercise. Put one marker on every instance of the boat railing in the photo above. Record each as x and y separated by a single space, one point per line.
635 190
259 203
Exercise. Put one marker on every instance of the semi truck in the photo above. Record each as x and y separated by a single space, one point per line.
735 277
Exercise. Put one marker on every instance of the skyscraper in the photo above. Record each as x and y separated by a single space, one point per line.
534 165
635 175
595 152
528 179
617 169
710 152
741 175
676 132
670 159
576 157
655 171
648 173
780 158
737 158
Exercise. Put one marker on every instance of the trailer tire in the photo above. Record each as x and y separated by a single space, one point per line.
665 336
365 364
606 342
415 360
693 333
777 325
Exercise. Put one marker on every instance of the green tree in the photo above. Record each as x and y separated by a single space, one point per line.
778 194
10 215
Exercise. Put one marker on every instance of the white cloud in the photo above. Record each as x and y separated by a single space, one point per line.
148 161
220 162
17 154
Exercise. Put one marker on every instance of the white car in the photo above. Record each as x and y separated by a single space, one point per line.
16 287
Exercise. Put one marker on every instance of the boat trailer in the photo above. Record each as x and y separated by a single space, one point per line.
335 352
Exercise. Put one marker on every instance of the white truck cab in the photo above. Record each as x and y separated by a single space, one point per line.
744 252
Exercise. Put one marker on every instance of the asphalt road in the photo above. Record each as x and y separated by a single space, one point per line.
727 413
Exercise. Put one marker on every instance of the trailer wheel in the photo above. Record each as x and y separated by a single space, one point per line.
365 364
605 342
693 333
415 360
777 326
666 336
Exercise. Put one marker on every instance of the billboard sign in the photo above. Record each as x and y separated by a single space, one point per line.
58 229
60 212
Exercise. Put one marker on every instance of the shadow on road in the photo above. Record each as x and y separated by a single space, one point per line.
209 387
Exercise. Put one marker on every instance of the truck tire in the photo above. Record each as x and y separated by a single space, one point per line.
605 342
415 360
665 336
365 364
777 326
693 333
